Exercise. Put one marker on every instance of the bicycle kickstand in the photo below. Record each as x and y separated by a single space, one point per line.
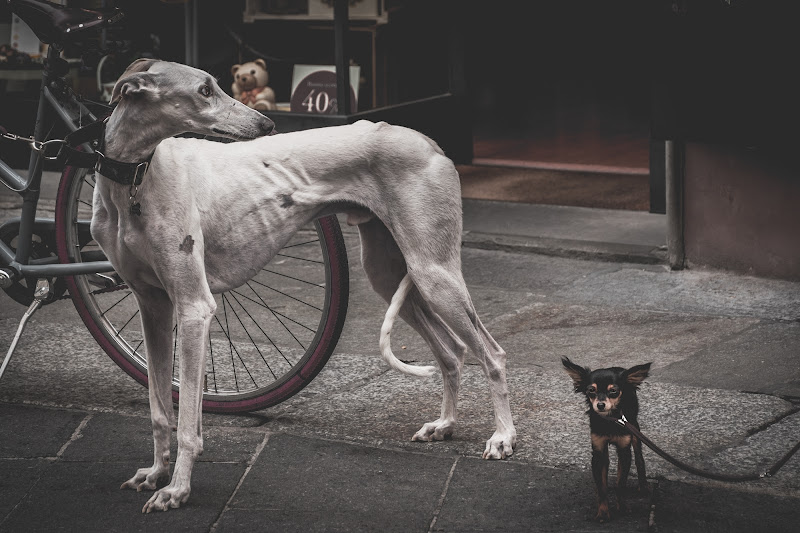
42 291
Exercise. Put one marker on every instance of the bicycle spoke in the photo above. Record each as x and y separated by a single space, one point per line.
292 277
211 355
270 309
119 331
315 241
302 259
293 320
113 306
227 332
278 319
251 337
238 355
287 295
174 348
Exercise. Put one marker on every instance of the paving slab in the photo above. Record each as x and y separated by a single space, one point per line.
685 508
85 496
30 431
745 365
17 479
492 496
316 485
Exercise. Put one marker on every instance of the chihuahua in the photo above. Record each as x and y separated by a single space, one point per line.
610 393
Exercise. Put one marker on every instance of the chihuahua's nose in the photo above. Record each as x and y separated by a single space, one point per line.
601 406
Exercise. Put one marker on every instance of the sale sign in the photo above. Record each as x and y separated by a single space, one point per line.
314 90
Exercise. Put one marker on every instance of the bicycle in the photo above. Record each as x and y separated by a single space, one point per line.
270 337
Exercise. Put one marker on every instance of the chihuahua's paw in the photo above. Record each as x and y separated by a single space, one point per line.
436 430
603 514
501 445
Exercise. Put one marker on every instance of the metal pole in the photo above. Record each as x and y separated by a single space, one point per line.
340 23
676 252
190 17
195 33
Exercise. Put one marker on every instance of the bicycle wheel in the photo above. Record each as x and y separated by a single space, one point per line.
269 337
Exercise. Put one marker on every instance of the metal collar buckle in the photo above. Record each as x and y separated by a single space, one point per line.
141 170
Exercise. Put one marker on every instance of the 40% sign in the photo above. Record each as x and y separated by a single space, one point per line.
316 93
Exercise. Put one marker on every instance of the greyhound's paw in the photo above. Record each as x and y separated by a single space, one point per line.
167 498
436 430
500 446
146 478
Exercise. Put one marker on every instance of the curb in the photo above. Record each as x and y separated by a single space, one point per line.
568 248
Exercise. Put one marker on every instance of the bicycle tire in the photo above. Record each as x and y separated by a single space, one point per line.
74 245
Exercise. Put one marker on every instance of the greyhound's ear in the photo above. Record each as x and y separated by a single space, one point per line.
128 82
135 85
579 374
140 65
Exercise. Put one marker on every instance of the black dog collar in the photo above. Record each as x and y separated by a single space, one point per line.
123 173
94 133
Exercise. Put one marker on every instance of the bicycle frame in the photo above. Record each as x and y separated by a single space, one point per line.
52 107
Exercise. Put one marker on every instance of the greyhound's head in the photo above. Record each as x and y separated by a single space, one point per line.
158 99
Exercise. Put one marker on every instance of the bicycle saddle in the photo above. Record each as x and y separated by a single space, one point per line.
54 23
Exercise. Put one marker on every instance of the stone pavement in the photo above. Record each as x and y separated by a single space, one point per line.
548 282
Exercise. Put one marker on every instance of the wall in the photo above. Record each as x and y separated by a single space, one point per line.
742 210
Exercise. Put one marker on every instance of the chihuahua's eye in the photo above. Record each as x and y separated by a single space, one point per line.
613 393
591 392
205 90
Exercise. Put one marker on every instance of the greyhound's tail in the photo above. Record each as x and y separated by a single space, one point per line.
386 331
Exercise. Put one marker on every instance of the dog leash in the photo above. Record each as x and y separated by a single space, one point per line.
704 473
70 153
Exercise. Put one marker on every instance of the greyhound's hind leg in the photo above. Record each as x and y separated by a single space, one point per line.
444 288
385 268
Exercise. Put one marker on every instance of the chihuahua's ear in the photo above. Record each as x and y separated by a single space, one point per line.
636 374
579 374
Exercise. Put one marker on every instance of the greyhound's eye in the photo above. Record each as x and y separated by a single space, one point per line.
205 90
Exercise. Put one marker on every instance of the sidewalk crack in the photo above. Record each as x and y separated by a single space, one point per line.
77 434
250 464
440 503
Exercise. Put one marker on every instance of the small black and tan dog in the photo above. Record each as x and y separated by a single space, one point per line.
609 393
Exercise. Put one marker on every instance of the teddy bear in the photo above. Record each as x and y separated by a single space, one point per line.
250 85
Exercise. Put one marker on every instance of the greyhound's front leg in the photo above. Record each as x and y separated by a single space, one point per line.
156 313
194 320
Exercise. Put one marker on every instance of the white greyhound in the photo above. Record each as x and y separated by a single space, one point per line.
393 182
